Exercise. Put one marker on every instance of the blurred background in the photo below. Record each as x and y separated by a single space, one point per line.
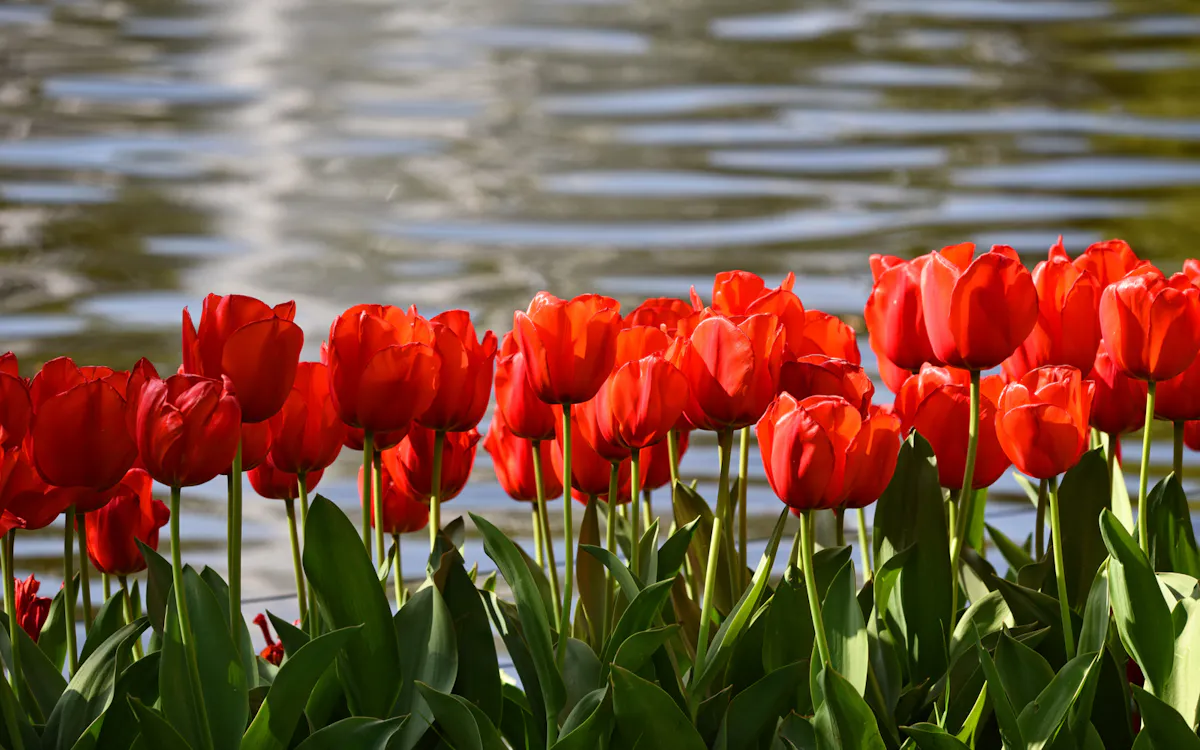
468 153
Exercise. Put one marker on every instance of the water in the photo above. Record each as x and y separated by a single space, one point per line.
465 153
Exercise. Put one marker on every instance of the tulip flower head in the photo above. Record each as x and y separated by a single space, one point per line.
132 515
188 428
943 417
524 413
512 458
735 292
569 345
1042 420
411 462
641 402
308 432
818 375
272 653
656 462
1151 324
273 483
1109 261
404 511
16 408
589 468
895 314
465 376
32 610
664 313
1119 401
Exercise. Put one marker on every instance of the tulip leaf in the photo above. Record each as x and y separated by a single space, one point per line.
220 590
845 629
844 720
1042 718
1006 713
476 645
1122 507
358 732
638 648
156 730
158 586
1096 614
290 636
628 584
53 639
638 616
589 723
275 722
690 507
109 619
1081 498
798 733
460 721
349 593
1024 673
1139 611
674 551
1172 541
589 574
1182 690
14 721
789 631
754 712
1164 725
45 683
932 737
1016 555
985 616
119 724
530 610
430 655
648 717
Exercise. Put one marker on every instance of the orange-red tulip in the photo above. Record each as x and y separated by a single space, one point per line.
977 312
16 408
1191 269
589 469
732 370
662 312
308 433
892 376
257 440
637 342
787 307
512 458
943 417
656 462
895 314
1178 399
569 345
1067 331
253 344
32 610
411 462
931 377
273 652
824 334
1119 403
465 377
524 413
1151 324
382 440
1042 420
818 375
735 291
404 511
188 429
1191 435
819 452
273 483
382 365
132 515
587 416
80 435
1109 261
641 402
22 491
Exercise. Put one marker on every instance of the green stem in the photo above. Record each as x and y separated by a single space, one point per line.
69 588
309 616
1110 456
10 606
635 512
1039 524
544 516
810 583
794 559
181 609
725 444
377 478
398 571
1143 523
535 522
367 503
743 482
839 526
967 494
1060 572
127 600
235 553
85 570
106 585
610 539
864 544
564 617
673 458
1178 454
435 490
647 508
297 567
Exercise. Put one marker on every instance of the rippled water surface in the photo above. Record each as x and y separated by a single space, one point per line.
467 153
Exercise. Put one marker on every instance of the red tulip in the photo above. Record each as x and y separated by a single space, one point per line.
977 313
257 440
825 334
1151 324
254 345
308 432
382 440
569 345
589 469
787 307
465 378
638 342
273 652
942 417
404 511
818 375
892 376
525 414
22 491
929 379
143 371
895 314
80 435
732 370
1178 399
641 402
512 458
1042 420
16 408
273 483
32 609
664 313
819 452
656 462
587 417
1191 435
130 516
1191 269
735 291
1119 403
382 365
1067 331
1109 261
411 462
188 429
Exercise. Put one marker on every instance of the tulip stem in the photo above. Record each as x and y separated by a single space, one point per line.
564 618
236 623
635 511
435 489
794 559
377 473
839 526
69 587
544 516
85 577
536 524
725 443
610 584
367 503
1039 524
743 481
1110 455
673 459
1143 521
310 615
1177 457
10 606
864 544
647 508
181 607
966 495
106 585
807 524
398 572
127 600
294 537
1060 572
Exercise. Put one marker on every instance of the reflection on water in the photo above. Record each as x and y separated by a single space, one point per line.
465 153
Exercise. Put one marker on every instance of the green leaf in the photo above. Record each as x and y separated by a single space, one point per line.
359 733
45 683
933 737
119 724
1013 553
986 615
473 634
1081 498
755 710
90 690
1166 727
1139 611
640 613
1172 541
1041 719
349 593
646 714
530 610
620 572
1006 714
789 631
1024 672
797 732
223 680
690 507
1182 690
14 721
844 720
639 647
589 724
158 586
292 637
156 730
673 552
581 673
275 723
463 724
1096 614
109 620
1122 508
53 639
430 656
220 591
589 574
845 630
